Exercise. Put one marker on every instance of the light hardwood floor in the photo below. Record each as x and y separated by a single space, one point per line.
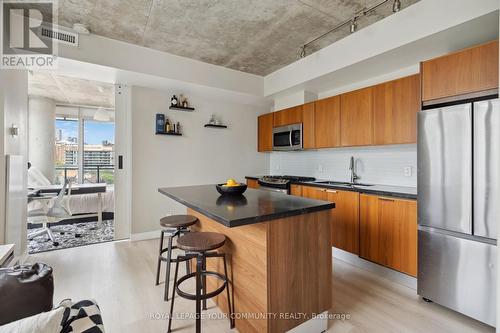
120 276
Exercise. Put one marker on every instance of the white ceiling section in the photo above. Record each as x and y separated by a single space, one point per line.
87 113
71 91
423 19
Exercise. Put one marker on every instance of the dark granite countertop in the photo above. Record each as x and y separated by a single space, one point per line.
254 206
404 192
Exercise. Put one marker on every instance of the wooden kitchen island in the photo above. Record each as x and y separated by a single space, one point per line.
279 255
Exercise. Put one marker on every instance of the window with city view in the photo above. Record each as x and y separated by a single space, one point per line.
66 159
90 162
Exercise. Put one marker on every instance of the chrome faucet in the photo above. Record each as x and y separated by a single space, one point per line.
354 176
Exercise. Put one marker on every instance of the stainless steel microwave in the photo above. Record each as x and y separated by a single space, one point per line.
286 138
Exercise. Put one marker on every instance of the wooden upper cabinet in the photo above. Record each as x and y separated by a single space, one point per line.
327 122
395 107
388 232
265 132
356 117
345 220
288 116
471 70
308 126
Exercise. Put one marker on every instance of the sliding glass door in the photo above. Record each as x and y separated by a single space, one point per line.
67 150
98 151
84 147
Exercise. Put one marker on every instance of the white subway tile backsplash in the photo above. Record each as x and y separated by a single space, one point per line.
378 165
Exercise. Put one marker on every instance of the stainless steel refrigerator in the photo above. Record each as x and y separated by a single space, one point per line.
459 206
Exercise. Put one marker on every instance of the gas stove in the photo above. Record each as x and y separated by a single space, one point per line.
281 183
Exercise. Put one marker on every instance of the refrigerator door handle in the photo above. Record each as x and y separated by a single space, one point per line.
486 211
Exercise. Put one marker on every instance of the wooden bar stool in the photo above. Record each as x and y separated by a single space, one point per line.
197 246
172 226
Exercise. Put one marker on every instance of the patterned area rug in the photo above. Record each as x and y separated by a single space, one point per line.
89 232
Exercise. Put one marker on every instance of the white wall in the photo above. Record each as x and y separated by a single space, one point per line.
376 165
200 156
13 110
41 119
293 99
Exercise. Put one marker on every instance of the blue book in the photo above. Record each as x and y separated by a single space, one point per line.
160 123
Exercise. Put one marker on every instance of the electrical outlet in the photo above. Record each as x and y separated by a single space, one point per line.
320 168
278 167
408 171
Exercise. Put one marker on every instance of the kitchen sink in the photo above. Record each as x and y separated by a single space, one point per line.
342 183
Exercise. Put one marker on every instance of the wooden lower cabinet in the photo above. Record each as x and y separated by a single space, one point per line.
380 229
345 220
388 232
253 183
312 192
296 190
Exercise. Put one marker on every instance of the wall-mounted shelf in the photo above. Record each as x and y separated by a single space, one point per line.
181 108
215 126
168 133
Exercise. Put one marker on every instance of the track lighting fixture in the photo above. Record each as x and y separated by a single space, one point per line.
396 6
352 22
354 25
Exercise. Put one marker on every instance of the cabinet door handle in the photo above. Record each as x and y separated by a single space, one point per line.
386 199
331 191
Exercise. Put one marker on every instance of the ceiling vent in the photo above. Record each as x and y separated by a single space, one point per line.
59 34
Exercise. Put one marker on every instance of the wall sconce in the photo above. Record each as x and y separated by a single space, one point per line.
14 130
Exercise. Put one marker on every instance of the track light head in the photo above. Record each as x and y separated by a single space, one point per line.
396 6
354 25
303 51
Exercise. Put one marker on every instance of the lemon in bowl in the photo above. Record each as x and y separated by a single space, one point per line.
231 187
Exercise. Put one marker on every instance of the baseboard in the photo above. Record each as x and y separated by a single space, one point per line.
145 235
387 273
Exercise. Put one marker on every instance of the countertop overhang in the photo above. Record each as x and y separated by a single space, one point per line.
254 206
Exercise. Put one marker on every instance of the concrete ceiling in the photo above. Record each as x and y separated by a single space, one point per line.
71 91
254 36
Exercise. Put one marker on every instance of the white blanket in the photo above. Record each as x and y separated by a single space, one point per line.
84 203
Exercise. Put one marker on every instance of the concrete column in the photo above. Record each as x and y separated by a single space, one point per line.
41 134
